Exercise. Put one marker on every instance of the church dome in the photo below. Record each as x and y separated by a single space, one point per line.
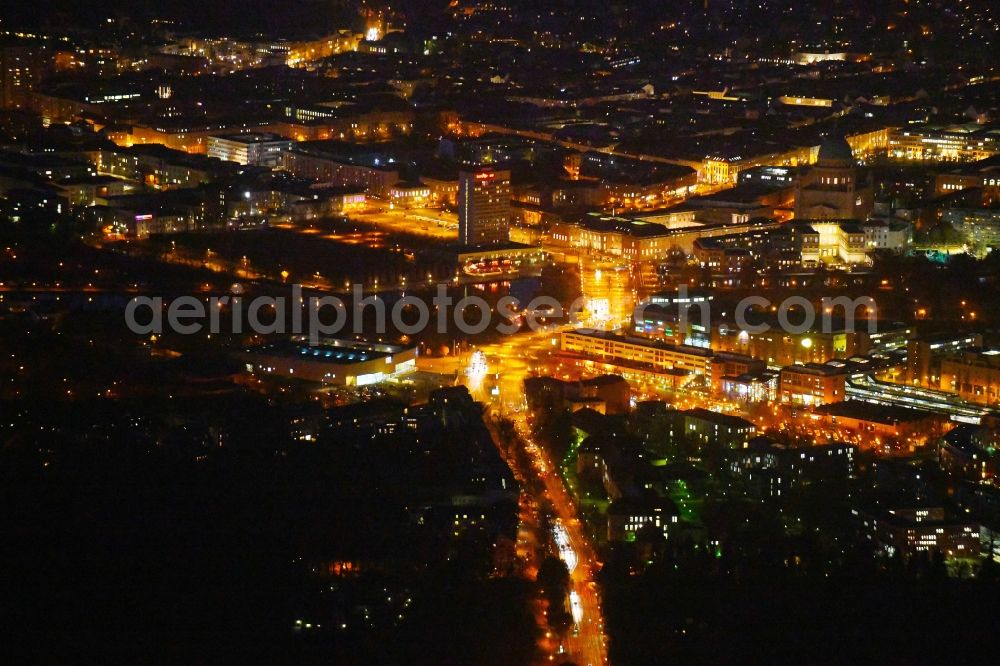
835 150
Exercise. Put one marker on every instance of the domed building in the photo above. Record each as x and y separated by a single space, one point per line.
830 190
835 150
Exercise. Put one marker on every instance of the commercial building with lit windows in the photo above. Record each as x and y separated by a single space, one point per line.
925 355
344 165
812 384
966 142
331 361
257 149
602 344
409 195
873 425
974 374
484 211
742 378
662 317
648 236
837 242
982 173
779 348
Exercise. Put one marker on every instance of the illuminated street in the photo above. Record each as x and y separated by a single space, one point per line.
511 361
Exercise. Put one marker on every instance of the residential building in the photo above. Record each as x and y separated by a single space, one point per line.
23 63
768 469
927 530
627 516
708 427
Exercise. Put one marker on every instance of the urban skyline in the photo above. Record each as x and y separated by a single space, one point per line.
471 332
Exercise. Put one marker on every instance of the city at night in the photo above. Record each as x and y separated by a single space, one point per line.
500 333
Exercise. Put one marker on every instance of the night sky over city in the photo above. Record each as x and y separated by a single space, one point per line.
500 333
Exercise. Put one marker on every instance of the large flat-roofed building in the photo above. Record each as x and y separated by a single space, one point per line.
874 425
662 317
967 142
160 167
719 259
442 183
331 361
979 226
924 355
773 245
650 360
490 148
779 348
833 242
645 236
90 191
188 134
346 121
495 259
171 211
631 183
612 235
344 165
983 174
812 384
254 149
484 211
725 165
769 176
726 365
749 386
973 374
652 353
409 194
298 201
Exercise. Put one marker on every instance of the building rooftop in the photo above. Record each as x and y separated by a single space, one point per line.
645 342
643 506
726 420
603 380
822 369
252 137
835 150
869 411
331 350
